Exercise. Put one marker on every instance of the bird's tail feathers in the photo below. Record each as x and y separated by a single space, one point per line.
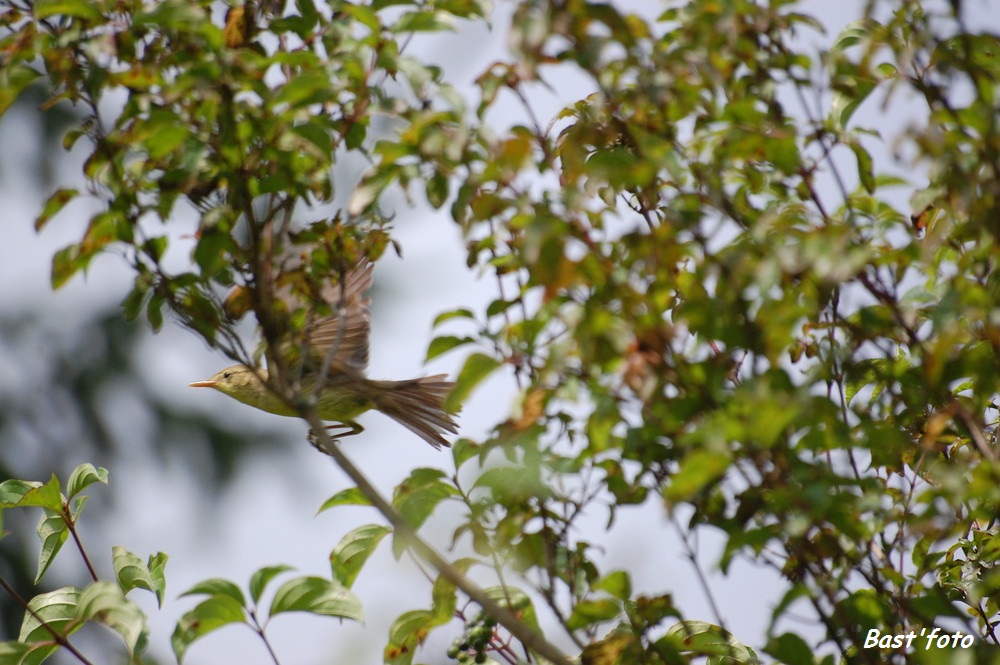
418 405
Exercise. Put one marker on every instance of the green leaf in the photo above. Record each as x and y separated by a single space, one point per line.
105 228
463 450
406 634
14 79
444 599
136 299
698 469
302 90
307 8
156 564
53 205
76 506
53 532
416 498
166 134
620 645
210 252
349 497
500 305
783 152
371 186
865 173
364 15
981 50
179 15
461 313
844 105
154 311
445 343
477 369
423 21
131 572
65 263
209 615
84 476
105 603
57 609
514 483
28 493
617 584
700 638
260 579
588 613
71 137
356 134
13 652
155 248
852 85
217 587
85 9
519 602
852 35
353 550
790 648
12 492
317 596
316 134
437 190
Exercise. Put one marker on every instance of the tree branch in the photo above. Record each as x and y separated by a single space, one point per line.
529 637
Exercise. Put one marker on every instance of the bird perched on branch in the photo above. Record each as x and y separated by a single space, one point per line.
336 353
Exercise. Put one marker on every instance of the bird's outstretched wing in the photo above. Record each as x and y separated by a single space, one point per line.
338 320
342 335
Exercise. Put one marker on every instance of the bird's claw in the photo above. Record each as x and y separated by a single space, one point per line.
320 444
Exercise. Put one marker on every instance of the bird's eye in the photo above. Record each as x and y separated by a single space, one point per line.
227 375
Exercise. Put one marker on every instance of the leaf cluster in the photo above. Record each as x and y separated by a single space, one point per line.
51 618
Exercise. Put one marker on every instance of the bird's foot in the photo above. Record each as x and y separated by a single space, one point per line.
333 436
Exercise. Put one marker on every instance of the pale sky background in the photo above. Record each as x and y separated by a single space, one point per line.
267 517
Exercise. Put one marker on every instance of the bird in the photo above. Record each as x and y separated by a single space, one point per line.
336 348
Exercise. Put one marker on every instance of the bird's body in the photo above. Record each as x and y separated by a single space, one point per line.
337 352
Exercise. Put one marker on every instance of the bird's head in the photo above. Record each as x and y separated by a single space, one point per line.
237 381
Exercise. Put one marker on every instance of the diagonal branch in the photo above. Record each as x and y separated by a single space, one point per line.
531 639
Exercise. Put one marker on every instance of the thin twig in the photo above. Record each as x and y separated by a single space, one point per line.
71 525
257 628
692 556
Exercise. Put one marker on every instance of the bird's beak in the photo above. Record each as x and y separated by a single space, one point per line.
202 384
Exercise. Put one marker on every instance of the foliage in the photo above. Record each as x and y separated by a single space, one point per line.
51 618
710 294
56 412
